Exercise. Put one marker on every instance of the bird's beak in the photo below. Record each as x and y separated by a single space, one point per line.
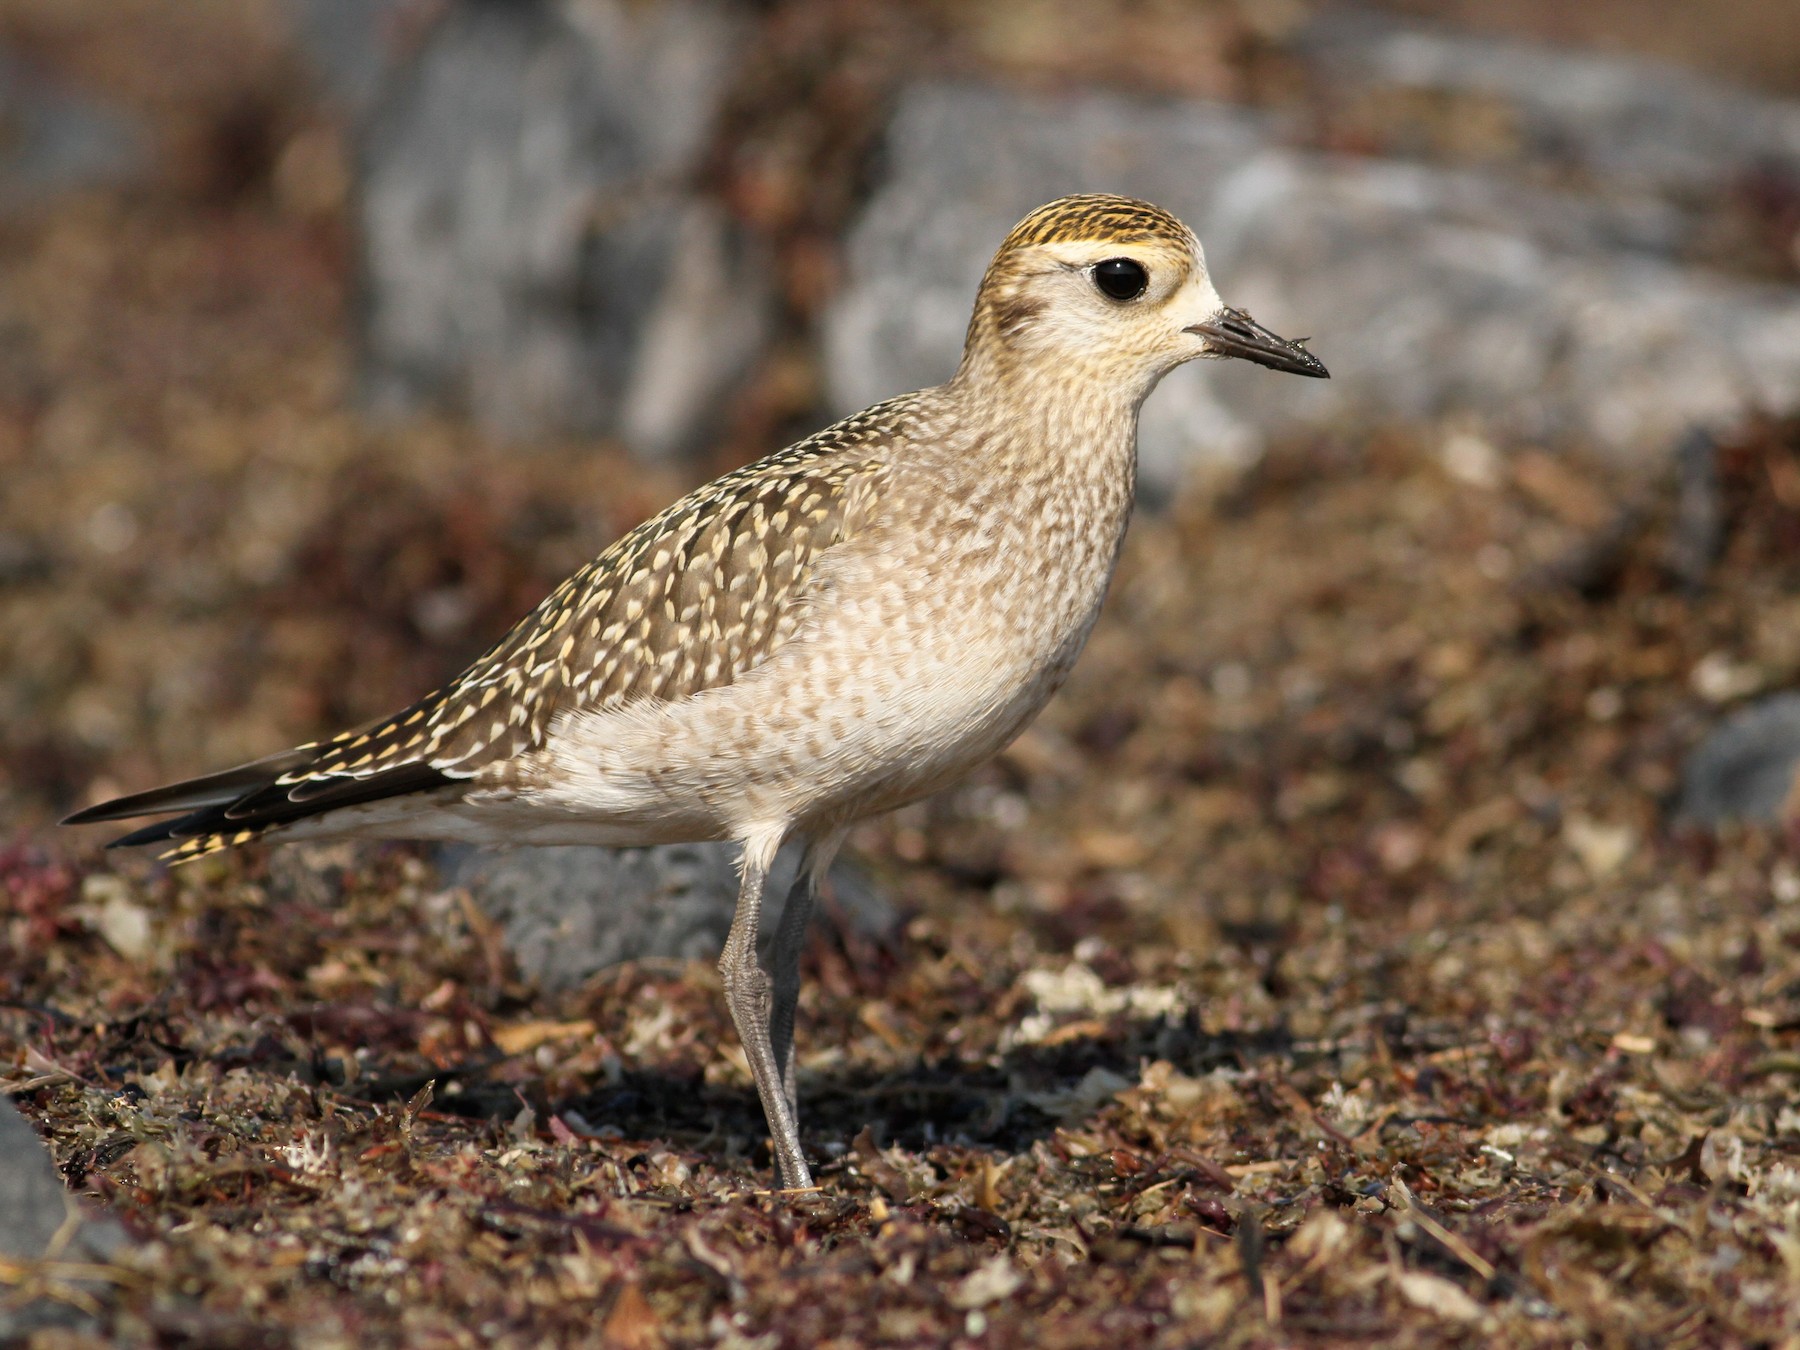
1231 332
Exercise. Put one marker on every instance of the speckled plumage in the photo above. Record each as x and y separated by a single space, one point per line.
829 632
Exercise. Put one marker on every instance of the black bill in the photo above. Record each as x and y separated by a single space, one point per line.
1235 333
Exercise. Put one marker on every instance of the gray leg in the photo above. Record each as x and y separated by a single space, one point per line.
748 995
790 943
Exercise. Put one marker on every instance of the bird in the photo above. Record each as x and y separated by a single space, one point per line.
829 632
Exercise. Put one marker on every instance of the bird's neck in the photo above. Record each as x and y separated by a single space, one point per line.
1058 449
1060 423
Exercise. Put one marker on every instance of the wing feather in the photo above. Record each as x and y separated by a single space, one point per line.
690 600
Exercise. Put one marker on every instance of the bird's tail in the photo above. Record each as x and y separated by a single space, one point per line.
222 810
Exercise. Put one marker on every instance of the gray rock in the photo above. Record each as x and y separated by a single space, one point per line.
1745 770
1633 125
1428 292
349 43
532 251
53 139
570 912
43 1222
1426 308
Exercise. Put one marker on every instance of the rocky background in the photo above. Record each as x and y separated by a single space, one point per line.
1391 936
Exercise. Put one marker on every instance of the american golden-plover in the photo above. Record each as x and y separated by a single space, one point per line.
834 630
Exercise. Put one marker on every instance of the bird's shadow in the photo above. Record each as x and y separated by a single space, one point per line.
1005 1104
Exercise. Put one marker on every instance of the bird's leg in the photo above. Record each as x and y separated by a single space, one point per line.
789 945
748 996
790 942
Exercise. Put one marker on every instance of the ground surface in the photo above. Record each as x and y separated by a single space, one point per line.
1324 969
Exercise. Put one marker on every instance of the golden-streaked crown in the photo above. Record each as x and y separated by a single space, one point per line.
1097 217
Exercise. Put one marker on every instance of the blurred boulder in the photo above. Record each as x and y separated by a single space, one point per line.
569 912
533 251
349 44
1746 769
53 139
43 1222
1624 124
1428 291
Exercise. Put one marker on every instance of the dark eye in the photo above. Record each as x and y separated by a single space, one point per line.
1121 278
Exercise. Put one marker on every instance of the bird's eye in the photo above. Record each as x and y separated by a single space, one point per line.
1121 278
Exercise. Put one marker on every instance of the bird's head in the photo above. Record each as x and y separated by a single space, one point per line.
1112 284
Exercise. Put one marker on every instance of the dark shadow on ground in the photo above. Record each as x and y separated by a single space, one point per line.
1006 1105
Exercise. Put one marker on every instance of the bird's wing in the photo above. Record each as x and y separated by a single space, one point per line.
689 600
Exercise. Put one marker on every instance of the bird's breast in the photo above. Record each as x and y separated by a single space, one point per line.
924 644
967 627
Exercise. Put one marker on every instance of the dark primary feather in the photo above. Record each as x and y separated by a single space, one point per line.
268 807
237 805
214 789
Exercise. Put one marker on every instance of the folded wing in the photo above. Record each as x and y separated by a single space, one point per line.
690 600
